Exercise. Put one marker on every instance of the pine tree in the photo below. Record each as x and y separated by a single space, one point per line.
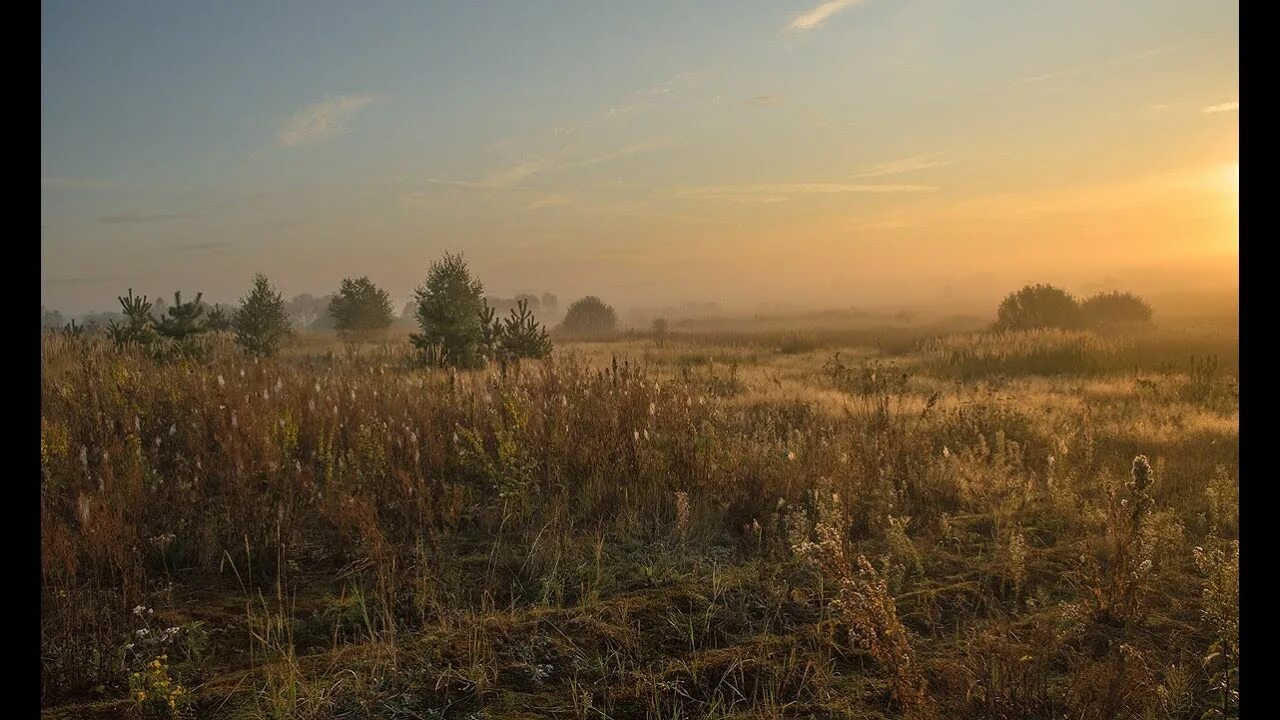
450 303
522 335
218 320
184 319
137 327
261 324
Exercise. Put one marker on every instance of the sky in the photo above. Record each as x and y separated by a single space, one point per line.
793 152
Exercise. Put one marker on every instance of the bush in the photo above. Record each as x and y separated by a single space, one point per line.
1116 311
590 316
1038 306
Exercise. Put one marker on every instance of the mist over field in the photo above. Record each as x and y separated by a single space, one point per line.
838 359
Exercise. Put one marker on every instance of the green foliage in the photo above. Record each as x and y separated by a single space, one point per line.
261 323
450 307
590 316
156 696
217 319
1116 311
182 320
522 336
1038 306
360 308
138 326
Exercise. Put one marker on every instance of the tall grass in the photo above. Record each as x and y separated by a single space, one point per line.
392 537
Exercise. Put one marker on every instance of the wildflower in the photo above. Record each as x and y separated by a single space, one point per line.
1141 472
221 382
791 455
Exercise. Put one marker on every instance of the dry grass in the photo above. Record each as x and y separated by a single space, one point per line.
610 533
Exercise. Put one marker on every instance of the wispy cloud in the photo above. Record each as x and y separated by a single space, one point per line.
820 14
87 279
213 246
75 183
779 192
548 201
1087 67
512 176
320 121
905 165
137 218
1231 106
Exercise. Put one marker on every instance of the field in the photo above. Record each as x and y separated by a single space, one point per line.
723 523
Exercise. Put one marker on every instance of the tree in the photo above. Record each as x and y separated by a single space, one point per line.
218 320
137 325
261 323
659 328
1038 306
450 303
522 336
550 305
308 312
590 316
1116 311
51 318
360 308
183 319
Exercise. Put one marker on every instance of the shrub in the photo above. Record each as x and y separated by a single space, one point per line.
1116 311
450 307
590 316
261 324
1038 306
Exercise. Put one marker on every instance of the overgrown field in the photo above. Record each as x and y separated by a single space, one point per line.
979 526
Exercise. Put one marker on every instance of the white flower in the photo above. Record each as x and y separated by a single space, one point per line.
221 383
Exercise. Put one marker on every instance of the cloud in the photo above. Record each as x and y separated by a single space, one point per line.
905 165
511 177
548 201
779 192
1093 66
1231 106
87 279
766 100
213 246
820 14
135 218
320 121
75 183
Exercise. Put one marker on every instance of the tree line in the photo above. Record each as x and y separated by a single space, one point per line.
457 324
